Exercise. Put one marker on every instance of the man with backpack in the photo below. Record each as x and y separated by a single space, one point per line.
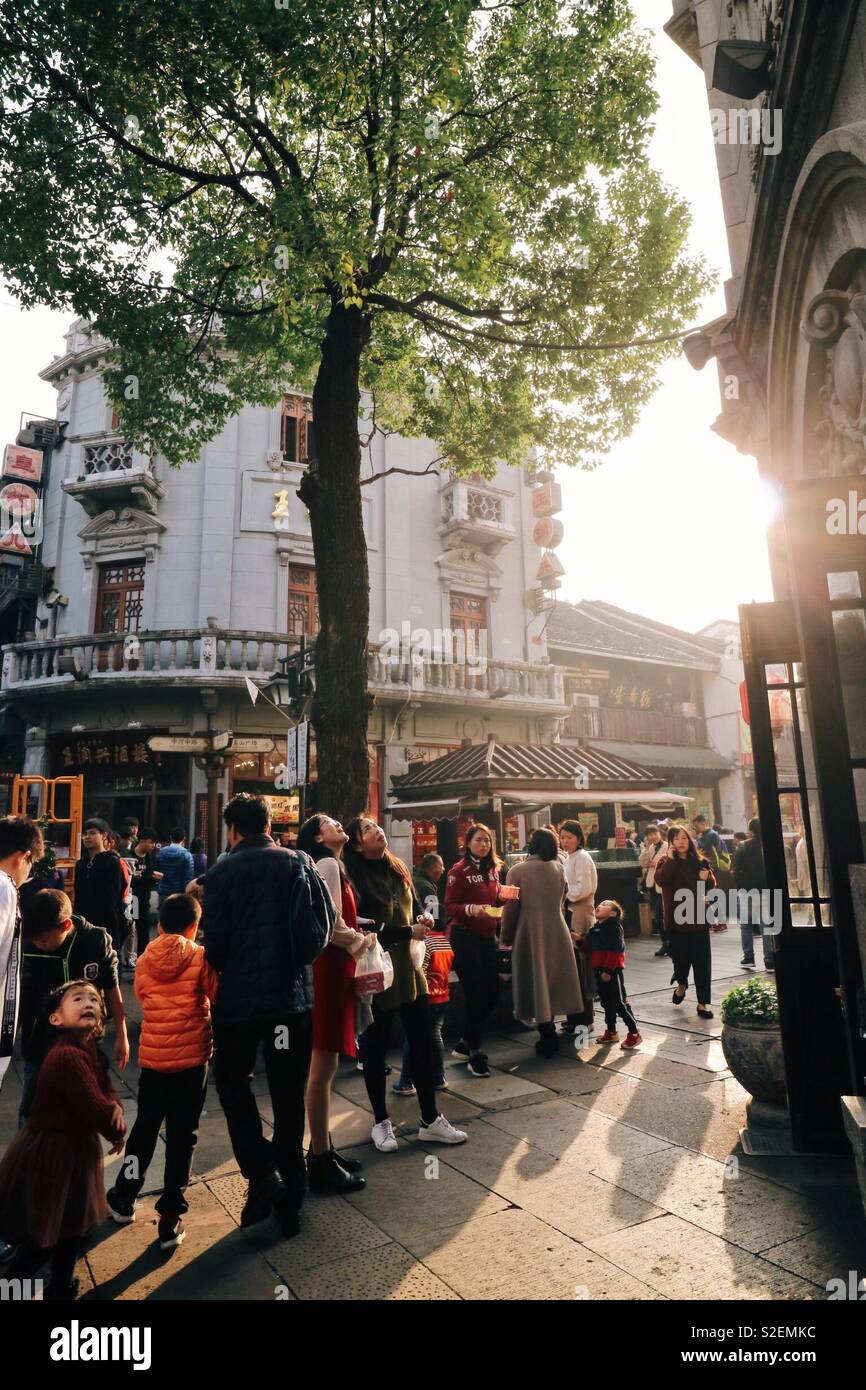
711 844
266 918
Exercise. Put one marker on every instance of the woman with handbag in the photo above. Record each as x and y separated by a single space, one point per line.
384 892
333 1006
544 973
581 884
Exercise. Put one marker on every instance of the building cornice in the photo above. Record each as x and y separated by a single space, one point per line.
810 65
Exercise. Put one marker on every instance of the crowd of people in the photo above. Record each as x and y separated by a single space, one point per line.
304 956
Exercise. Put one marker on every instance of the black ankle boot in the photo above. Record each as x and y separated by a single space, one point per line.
351 1165
327 1175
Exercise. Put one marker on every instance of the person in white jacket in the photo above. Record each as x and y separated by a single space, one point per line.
652 846
21 845
581 884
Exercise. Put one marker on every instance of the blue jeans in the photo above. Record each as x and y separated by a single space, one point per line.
437 1018
748 933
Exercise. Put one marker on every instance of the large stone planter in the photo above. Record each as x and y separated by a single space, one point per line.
754 1055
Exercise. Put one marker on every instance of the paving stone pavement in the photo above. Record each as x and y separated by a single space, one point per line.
595 1175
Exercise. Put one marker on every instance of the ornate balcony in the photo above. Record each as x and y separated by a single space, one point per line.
476 514
182 656
112 476
523 685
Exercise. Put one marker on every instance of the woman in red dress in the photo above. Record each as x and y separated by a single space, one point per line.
333 1006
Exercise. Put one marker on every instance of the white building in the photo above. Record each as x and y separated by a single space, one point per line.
176 584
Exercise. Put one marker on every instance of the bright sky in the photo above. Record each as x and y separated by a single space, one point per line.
671 525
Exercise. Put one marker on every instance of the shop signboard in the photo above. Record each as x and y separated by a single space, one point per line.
107 751
546 499
14 542
303 736
179 743
23 463
550 568
548 532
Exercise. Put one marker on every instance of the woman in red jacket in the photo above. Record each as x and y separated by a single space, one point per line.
683 875
471 913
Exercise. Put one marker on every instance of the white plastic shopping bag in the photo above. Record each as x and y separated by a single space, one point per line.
374 971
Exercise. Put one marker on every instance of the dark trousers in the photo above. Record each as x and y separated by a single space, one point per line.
142 926
690 950
287 1044
658 917
28 1259
415 1018
477 965
611 994
587 988
175 1097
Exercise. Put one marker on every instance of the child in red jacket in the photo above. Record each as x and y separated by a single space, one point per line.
51 1179
438 958
607 944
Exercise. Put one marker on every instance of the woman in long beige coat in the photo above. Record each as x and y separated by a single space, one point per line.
544 974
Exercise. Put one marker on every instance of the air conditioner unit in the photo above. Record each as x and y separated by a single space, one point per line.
587 701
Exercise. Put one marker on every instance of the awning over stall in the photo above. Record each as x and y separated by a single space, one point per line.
445 809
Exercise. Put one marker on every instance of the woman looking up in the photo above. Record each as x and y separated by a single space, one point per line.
333 1006
384 891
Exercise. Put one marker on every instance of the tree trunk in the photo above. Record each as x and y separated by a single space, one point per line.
331 490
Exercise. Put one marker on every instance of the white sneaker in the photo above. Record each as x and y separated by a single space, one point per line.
442 1132
384 1138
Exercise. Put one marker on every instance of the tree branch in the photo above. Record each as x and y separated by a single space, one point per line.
410 472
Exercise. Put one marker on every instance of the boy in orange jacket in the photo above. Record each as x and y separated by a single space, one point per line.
175 985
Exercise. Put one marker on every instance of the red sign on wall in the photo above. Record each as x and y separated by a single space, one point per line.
22 463
546 499
548 532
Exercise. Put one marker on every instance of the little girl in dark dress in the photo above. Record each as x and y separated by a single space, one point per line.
52 1189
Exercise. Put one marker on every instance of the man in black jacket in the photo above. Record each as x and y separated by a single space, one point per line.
100 884
266 917
750 876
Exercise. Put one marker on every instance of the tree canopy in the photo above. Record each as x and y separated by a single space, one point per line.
205 182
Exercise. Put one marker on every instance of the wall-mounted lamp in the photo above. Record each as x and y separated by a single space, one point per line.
742 68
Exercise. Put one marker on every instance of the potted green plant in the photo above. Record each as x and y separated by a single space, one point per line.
752 1039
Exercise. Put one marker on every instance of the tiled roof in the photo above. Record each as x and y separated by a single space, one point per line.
601 629
666 756
519 763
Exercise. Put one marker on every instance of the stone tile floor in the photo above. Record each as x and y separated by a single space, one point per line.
597 1174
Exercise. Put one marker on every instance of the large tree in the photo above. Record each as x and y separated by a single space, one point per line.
444 209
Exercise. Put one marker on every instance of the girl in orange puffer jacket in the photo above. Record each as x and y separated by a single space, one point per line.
175 985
